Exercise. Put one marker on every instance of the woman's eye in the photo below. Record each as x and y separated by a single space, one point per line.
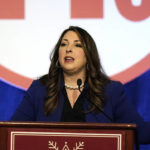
63 44
78 45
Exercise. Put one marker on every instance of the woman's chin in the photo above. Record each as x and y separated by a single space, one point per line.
74 71
69 71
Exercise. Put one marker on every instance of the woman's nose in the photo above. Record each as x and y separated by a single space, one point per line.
68 50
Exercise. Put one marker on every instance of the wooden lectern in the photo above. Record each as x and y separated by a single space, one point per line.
66 136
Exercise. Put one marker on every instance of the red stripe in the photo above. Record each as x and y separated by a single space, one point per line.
14 78
124 76
134 71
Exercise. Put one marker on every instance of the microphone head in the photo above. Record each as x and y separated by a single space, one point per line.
79 82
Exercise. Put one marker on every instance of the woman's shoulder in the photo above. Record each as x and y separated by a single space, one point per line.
114 88
113 85
38 84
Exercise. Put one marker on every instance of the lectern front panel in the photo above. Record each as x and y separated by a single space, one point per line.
65 139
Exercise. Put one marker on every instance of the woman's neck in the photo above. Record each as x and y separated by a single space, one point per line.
72 79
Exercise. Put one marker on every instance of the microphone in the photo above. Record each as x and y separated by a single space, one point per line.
79 83
107 116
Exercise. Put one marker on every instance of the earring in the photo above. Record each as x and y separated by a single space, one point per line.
87 67
57 64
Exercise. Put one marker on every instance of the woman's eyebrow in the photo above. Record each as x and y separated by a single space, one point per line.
74 40
77 41
65 39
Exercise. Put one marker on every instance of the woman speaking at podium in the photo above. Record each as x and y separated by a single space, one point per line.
76 89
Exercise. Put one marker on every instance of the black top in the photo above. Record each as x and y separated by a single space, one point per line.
75 114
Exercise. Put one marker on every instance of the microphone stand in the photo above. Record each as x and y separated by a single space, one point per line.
79 83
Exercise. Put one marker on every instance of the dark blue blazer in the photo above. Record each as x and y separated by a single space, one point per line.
117 107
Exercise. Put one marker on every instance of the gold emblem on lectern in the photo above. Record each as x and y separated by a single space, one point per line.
53 145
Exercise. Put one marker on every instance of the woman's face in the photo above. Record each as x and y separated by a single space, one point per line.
71 54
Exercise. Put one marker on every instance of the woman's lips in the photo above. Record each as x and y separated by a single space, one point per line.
68 59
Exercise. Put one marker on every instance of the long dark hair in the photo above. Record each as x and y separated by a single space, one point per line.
97 79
